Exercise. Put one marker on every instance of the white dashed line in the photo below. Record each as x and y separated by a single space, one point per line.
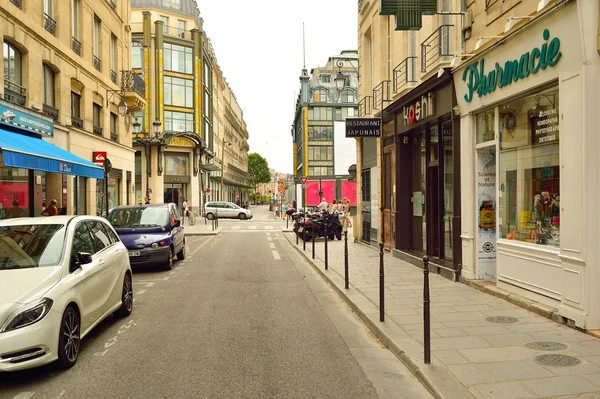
24 395
236 227
172 273
268 233
150 285
276 255
166 278
269 239
140 292
271 245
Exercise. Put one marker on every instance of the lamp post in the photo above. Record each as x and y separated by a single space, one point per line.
147 148
228 143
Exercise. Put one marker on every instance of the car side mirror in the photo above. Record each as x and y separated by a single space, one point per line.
79 259
177 223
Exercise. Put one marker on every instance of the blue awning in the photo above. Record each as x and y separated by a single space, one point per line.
20 151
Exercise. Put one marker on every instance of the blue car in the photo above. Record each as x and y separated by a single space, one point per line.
153 234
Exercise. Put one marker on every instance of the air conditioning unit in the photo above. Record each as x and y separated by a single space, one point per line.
467 20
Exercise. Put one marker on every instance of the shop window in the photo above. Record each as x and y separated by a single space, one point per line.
530 169
14 193
177 165
177 58
485 126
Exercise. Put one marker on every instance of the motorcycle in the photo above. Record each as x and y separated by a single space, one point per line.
317 224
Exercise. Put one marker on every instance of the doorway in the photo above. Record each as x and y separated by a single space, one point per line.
389 211
175 193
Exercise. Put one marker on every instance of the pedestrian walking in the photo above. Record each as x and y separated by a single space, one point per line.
347 221
333 208
185 211
323 205
283 208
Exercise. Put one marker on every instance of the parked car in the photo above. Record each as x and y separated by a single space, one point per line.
223 209
59 277
153 234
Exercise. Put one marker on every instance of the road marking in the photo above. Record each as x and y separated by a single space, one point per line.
137 282
271 245
140 292
214 243
148 280
276 255
150 285
166 278
172 273
24 395
236 227
252 228
203 244
268 227
113 340
269 239
268 233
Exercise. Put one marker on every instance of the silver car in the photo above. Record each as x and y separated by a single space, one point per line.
222 209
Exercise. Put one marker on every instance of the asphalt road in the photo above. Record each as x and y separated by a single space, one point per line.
242 317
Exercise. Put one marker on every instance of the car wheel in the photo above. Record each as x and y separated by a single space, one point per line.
210 216
181 254
69 340
126 297
169 264
242 216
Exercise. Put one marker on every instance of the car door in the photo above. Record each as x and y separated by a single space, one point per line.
87 278
177 232
110 254
228 209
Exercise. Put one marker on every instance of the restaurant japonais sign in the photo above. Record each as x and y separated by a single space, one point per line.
363 127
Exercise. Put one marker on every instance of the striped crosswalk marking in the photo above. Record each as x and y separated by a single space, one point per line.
268 227
252 228
272 245
236 227
276 255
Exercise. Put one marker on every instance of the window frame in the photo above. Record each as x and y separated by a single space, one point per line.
18 64
96 238
48 92
87 230
114 52
97 37
77 108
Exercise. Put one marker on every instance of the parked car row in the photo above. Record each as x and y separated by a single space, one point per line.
61 276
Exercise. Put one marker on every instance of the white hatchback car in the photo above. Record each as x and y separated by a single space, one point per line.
59 277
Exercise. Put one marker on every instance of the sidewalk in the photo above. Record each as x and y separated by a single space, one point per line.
481 346
201 229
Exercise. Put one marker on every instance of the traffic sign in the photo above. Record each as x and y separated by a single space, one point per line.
280 192
304 179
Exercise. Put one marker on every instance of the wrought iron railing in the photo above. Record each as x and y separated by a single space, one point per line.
49 24
114 137
76 46
113 76
489 3
17 3
365 106
75 121
97 130
132 81
405 73
173 31
113 5
361 3
14 93
435 47
381 94
50 111
97 63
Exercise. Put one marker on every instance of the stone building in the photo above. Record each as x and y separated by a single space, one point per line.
68 92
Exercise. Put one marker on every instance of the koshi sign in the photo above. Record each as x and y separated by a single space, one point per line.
422 109
363 127
99 156
481 82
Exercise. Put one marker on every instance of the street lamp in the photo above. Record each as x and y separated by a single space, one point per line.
156 127
122 107
340 79
228 143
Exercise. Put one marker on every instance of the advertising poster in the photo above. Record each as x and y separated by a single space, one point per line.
486 213
312 192
349 191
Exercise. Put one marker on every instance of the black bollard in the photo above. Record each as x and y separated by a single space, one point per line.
326 257
381 285
346 278
287 222
296 235
303 235
313 245
426 315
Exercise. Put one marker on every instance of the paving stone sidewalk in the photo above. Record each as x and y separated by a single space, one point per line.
523 356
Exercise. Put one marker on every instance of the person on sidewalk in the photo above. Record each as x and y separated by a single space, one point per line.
333 208
51 209
347 221
323 205
185 210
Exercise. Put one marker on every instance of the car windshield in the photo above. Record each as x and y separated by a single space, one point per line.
31 245
139 217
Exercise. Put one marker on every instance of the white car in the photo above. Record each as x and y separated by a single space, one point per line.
59 277
221 209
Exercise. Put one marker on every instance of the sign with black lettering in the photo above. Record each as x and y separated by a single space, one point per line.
545 127
363 127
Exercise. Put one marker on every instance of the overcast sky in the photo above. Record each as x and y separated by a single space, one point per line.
259 49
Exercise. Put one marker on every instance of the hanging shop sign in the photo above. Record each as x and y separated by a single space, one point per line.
22 120
99 157
481 82
363 127
421 110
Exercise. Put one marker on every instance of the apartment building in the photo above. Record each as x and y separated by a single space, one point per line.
66 101
528 100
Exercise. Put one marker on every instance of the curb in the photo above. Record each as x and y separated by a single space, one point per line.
207 233
427 374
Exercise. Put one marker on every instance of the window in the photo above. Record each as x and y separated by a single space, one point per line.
113 52
97 36
320 153
75 105
181 29
48 85
48 8
137 55
178 58
82 240
529 169
177 165
412 52
206 104
326 78
320 96
179 121
113 127
99 235
12 65
321 133
485 126
97 114
172 3
207 73
179 92
347 96
320 113
112 235
75 19
165 21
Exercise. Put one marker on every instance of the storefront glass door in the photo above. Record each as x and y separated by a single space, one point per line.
418 180
175 193
448 184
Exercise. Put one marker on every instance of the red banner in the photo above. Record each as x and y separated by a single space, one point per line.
312 192
349 191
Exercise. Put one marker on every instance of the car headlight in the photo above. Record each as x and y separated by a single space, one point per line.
27 315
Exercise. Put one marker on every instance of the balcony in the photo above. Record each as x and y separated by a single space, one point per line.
405 73
50 112
76 122
97 130
179 33
113 76
134 90
49 24
97 63
436 47
76 46
17 3
365 106
14 93
381 94
114 137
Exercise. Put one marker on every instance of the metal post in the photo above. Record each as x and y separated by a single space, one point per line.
287 222
346 277
296 234
381 285
304 233
426 315
106 192
326 256
313 244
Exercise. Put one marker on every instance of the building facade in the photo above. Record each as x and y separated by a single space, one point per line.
409 179
68 94
529 101
321 152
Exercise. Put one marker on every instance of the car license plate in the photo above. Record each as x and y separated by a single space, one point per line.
134 253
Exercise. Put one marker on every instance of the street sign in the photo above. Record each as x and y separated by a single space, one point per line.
303 180
207 190
280 192
99 156
304 186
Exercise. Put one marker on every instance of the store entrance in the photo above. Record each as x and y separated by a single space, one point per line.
175 193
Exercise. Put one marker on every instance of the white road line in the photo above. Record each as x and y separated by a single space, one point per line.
276 255
268 233
271 245
166 278
172 273
151 280
150 285
252 228
236 227
268 227
24 395
269 239
137 282
140 292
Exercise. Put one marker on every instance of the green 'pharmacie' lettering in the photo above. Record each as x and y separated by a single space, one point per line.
482 83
